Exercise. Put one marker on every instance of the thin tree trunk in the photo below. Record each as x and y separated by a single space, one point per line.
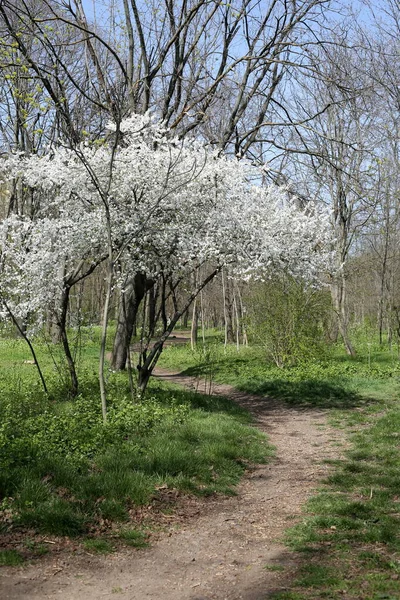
383 286
102 381
62 326
225 311
203 327
237 322
152 310
339 295
195 325
242 313
228 311
27 340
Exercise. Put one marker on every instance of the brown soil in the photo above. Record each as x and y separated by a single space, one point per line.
218 549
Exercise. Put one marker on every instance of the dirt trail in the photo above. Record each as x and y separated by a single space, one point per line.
220 554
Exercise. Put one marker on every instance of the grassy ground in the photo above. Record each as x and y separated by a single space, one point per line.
63 473
350 534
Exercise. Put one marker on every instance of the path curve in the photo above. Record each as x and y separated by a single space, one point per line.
222 552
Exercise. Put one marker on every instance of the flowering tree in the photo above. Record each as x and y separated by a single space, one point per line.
156 207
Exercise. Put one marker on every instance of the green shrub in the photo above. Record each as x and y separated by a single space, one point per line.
286 317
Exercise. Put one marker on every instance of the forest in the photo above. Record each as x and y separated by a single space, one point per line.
200 278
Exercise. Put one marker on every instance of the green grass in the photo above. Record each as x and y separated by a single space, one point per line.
98 546
348 541
62 472
66 473
10 558
333 382
133 538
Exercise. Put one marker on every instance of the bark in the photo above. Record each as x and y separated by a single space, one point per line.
25 337
333 327
227 302
152 310
339 298
102 381
229 313
195 325
237 321
242 319
131 298
383 277
62 328
203 326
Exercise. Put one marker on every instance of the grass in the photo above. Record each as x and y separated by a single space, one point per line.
63 473
134 538
36 548
10 558
354 523
348 541
333 382
66 475
98 546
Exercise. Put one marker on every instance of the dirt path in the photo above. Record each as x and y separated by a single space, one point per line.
220 554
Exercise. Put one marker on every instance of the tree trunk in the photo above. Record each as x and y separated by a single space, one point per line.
237 321
382 289
110 277
24 336
195 325
339 298
62 327
132 296
333 324
152 310
230 336
227 302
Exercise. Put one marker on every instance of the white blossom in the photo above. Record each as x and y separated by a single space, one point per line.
173 206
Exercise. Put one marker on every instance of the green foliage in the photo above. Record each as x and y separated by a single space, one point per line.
285 317
56 516
10 558
113 510
32 430
36 548
134 538
332 381
63 470
314 575
356 517
98 545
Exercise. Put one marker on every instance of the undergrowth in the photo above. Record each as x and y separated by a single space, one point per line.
64 473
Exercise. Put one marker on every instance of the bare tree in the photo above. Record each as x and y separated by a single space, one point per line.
332 153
